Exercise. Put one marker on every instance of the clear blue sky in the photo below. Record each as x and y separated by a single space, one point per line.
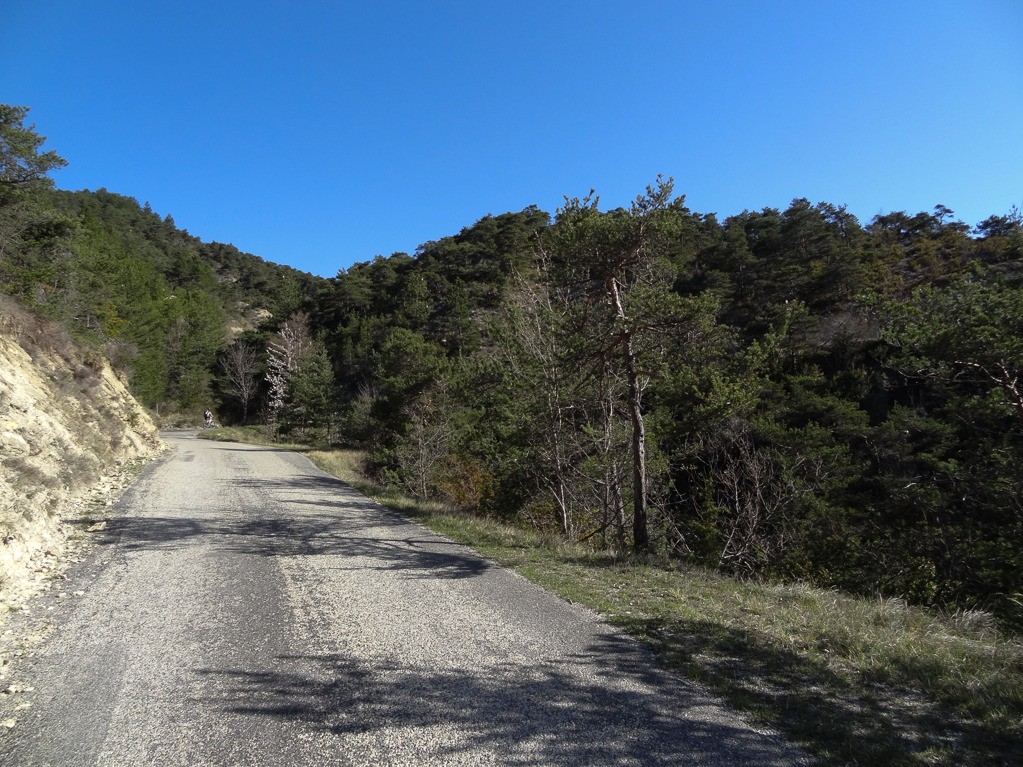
318 134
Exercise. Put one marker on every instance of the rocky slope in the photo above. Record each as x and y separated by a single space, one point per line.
70 436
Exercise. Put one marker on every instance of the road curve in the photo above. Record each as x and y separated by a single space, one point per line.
244 608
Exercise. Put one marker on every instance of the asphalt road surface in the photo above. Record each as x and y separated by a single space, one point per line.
243 608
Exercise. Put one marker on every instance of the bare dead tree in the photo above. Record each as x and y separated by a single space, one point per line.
284 353
536 355
753 494
240 366
427 445
603 475
293 340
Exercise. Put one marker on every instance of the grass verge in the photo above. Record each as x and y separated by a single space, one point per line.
252 435
855 681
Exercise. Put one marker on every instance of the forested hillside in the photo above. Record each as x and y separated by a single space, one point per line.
161 304
782 393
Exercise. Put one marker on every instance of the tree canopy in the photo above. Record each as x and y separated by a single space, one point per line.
783 393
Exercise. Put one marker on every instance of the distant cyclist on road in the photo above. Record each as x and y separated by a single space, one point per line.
208 417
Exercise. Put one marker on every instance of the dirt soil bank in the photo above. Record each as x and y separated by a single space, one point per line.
71 436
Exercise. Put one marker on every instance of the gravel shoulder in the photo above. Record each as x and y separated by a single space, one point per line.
243 608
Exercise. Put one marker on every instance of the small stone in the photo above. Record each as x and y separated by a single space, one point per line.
9 723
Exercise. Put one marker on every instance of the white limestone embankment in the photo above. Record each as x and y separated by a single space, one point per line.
70 435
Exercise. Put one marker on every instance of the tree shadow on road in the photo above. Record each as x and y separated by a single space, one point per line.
601 706
339 523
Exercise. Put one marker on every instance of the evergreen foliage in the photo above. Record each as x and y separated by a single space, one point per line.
160 302
784 393
821 400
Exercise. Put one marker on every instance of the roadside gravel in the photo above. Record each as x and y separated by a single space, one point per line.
243 608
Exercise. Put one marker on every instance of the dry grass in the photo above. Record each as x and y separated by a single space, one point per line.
252 435
857 681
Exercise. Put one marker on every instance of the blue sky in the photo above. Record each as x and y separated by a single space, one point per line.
318 134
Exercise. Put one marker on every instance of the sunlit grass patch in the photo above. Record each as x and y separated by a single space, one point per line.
346 465
252 435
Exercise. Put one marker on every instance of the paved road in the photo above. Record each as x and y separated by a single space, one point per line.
246 609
